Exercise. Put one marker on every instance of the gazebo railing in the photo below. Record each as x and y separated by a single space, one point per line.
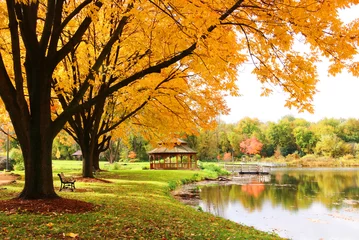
188 165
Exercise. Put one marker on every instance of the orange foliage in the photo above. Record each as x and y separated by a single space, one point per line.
253 189
132 155
227 157
251 146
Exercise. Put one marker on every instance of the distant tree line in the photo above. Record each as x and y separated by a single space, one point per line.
251 137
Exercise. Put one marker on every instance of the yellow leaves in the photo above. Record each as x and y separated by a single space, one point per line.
266 92
50 225
27 2
71 235
191 91
354 69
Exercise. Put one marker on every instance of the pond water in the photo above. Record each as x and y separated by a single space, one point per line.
294 203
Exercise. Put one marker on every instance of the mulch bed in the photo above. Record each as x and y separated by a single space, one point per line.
45 206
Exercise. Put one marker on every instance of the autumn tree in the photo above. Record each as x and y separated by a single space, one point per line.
204 41
168 93
64 145
132 155
244 129
251 146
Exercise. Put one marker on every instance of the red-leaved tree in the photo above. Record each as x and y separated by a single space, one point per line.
251 146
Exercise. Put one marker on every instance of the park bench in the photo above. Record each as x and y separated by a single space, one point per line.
66 182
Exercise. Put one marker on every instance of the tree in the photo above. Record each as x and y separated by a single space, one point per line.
132 155
305 139
332 146
248 126
113 152
205 40
207 146
326 126
281 136
251 146
349 130
65 145
244 129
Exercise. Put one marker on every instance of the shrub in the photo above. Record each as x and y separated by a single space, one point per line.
16 155
115 166
215 169
348 157
309 157
172 185
3 163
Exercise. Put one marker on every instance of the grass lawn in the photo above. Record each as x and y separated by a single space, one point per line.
136 205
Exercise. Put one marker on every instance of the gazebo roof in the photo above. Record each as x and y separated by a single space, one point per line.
181 148
77 153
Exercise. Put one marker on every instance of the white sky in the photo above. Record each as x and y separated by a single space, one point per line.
338 97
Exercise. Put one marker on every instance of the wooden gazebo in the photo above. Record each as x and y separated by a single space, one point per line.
176 155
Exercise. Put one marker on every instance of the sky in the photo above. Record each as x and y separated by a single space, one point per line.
337 97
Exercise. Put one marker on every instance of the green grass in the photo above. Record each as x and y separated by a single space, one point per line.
136 205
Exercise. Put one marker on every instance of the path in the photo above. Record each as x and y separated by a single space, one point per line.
6 178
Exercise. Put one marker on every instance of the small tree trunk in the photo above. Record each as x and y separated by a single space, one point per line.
96 159
118 147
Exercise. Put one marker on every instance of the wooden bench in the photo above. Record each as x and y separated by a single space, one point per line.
66 182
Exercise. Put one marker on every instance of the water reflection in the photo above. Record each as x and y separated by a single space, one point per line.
290 195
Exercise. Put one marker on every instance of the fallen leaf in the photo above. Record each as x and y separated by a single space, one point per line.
72 235
50 225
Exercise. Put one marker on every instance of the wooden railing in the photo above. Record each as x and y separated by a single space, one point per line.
190 165
247 168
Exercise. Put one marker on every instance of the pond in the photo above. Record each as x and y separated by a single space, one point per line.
295 203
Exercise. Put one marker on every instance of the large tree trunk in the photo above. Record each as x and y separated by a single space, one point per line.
87 165
26 92
91 157
39 134
38 170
